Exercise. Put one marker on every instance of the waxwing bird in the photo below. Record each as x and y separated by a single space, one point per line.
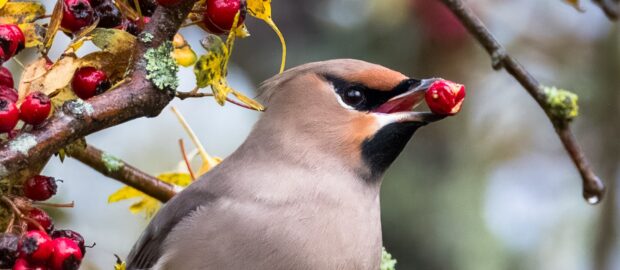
302 191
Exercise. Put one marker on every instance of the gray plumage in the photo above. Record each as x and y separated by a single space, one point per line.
292 196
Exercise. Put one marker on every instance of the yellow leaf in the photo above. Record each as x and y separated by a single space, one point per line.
248 101
120 265
182 53
113 40
53 27
21 12
32 33
261 9
147 204
3 2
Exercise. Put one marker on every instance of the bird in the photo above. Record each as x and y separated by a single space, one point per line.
302 191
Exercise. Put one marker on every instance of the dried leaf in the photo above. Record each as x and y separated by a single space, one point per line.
127 10
261 9
113 40
21 12
33 33
53 26
35 70
3 2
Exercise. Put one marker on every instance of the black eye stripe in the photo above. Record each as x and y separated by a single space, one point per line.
373 98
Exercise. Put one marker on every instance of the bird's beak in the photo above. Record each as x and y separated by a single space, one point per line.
400 108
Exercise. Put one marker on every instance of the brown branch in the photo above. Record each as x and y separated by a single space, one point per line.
124 173
610 7
593 187
135 98
193 94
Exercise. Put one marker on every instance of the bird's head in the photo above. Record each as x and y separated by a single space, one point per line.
354 111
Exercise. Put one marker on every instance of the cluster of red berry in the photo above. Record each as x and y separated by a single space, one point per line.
40 246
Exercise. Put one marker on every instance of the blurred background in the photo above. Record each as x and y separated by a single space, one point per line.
491 188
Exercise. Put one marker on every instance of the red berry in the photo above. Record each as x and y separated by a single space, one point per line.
220 15
168 3
89 81
9 115
133 27
39 187
35 108
66 256
42 218
36 246
445 97
76 15
8 93
23 264
8 249
73 235
12 40
109 15
6 78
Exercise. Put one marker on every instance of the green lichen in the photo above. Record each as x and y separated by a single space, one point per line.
387 262
111 162
146 37
23 143
79 107
161 67
562 103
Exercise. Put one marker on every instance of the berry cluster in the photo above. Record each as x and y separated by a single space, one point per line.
39 246
78 14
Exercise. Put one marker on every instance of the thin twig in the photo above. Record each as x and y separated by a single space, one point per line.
187 164
19 214
593 187
124 173
192 94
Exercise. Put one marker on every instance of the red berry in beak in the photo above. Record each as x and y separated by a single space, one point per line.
42 218
35 108
76 15
8 93
445 97
36 246
89 81
6 78
220 15
73 235
66 256
12 40
9 115
40 188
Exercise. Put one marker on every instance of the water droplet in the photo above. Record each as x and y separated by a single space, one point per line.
593 199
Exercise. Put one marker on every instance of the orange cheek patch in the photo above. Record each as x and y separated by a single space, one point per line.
377 78
360 129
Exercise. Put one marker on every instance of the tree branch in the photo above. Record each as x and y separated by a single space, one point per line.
610 7
593 187
124 173
138 97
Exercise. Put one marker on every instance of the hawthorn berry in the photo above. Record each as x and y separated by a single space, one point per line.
8 93
168 3
89 81
220 15
23 264
445 97
8 249
76 15
109 15
36 246
39 187
73 235
42 218
9 115
6 78
66 254
134 27
12 40
35 108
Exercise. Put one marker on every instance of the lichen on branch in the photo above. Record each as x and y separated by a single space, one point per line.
161 68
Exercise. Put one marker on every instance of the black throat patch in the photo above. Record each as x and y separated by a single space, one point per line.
379 151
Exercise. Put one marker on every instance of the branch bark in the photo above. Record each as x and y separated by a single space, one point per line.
138 97
593 187
125 173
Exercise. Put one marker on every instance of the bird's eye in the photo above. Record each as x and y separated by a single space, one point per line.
353 97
